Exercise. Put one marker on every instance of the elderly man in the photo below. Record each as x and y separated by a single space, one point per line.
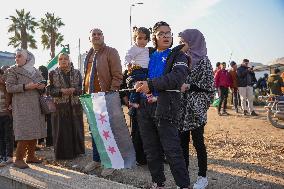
103 72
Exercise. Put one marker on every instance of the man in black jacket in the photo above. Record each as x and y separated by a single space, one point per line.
246 80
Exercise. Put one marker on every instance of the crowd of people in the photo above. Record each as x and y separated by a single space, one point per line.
241 81
170 93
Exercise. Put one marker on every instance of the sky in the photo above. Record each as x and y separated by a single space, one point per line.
233 30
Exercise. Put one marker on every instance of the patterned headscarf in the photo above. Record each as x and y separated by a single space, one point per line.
197 45
29 66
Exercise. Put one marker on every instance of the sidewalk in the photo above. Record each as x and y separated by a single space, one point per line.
53 177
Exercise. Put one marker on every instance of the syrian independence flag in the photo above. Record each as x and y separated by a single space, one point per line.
109 130
53 63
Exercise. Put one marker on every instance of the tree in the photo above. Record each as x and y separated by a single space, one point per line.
50 37
22 24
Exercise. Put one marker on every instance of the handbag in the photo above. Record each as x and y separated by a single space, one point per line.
46 104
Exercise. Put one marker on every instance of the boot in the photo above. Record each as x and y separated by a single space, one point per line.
20 154
31 158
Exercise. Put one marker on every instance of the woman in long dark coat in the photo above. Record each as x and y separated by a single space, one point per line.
67 121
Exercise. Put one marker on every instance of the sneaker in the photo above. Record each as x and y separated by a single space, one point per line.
200 183
253 113
9 160
219 113
155 186
92 166
107 172
245 112
237 110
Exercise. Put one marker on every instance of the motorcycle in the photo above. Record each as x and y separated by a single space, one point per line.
275 110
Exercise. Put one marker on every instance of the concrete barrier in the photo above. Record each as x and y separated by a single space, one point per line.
53 177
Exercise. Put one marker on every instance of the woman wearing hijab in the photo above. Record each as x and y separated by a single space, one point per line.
198 89
23 81
67 121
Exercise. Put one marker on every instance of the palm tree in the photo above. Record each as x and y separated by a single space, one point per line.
51 37
22 24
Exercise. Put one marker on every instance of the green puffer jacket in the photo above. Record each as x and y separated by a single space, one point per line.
275 83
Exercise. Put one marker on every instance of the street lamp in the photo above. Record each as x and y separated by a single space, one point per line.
130 26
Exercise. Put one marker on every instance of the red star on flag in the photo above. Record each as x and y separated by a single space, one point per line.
102 118
111 149
106 134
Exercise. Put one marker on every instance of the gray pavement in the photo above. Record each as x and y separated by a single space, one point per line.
53 177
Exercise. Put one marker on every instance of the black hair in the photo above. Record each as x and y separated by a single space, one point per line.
218 64
154 30
144 30
232 63
245 60
44 71
276 71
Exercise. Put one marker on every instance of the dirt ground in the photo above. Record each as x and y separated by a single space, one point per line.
244 152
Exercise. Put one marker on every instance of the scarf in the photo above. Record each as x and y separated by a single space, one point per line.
29 66
197 45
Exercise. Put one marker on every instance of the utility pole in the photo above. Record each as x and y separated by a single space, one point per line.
130 14
79 57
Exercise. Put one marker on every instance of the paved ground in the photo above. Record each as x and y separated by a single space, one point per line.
243 152
53 177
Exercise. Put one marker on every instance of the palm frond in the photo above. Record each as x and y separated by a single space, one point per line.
59 39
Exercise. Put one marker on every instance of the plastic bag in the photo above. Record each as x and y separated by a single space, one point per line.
216 102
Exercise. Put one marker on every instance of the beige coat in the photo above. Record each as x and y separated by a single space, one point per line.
28 121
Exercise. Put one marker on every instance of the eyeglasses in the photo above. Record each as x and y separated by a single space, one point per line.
164 34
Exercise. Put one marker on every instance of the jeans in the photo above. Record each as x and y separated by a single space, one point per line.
96 155
235 98
160 137
223 98
6 136
199 145
136 75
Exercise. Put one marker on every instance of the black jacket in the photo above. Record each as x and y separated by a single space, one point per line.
174 76
245 77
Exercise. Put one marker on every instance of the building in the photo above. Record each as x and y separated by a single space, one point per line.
7 58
